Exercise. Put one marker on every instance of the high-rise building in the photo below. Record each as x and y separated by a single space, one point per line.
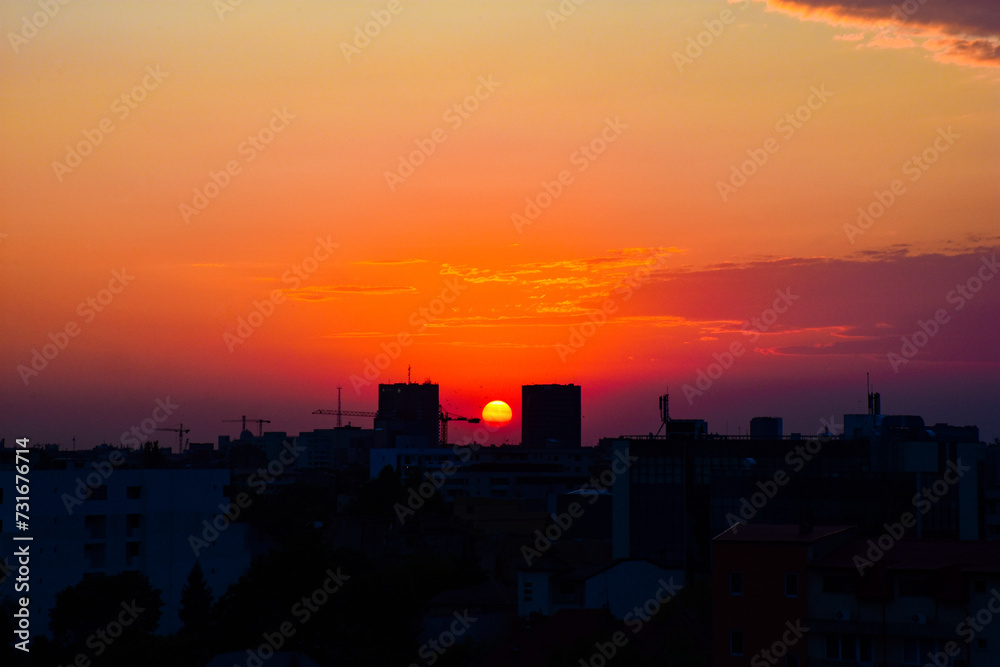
764 428
550 415
408 414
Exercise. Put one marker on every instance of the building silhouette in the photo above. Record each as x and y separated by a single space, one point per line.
408 414
550 415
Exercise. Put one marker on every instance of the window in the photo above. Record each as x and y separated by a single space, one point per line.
131 552
736 642
864 649
849 648
982 644
133 492
96 526
791 584
833 647
527 591
913 649
736 583
918 587
133 524
792 660
98 493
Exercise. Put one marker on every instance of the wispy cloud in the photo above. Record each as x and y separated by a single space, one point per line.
963 32
369 334
328 292
391 262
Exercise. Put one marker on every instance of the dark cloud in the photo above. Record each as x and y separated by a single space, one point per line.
860 306
965 32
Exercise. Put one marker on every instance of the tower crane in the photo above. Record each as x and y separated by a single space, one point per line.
180 430
260 424
339 412
445 417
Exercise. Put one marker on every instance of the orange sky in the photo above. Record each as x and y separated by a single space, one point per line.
642 109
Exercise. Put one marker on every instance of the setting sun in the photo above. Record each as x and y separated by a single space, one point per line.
496 413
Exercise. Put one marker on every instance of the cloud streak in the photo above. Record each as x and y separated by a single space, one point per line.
962 32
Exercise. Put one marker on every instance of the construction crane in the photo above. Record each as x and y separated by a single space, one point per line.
339 412
180 430
260 424
445 417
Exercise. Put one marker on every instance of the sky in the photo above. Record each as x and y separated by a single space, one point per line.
235 208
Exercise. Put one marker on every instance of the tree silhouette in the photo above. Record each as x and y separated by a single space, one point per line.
114 616
196 602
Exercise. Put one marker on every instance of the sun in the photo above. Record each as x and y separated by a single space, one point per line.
496 413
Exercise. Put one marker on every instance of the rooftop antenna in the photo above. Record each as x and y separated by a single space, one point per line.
874 400
664 412
408 380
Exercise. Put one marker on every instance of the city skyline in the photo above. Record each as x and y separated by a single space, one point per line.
244 206
163 423
656 332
